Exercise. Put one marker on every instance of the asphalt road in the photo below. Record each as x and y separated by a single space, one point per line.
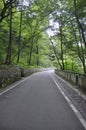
36 104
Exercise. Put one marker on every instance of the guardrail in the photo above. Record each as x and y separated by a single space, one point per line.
76 78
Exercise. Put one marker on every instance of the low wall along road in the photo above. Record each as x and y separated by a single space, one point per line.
12 73
76 78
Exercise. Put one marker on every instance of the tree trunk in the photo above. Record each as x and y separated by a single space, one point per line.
79 24
84 67
19 41
31 50
37 53
54 49
9 49
80 50
61 40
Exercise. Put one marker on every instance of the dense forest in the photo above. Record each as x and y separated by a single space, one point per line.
43 33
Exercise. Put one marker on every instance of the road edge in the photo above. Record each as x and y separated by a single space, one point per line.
77 113
15 84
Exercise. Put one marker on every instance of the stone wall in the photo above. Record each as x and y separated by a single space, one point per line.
76 78
12 73
9 74
27 72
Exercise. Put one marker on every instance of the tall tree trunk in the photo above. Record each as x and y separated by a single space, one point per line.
55 52
37 53
61 40
84 67
79 24
80 49
19 41
30 56
9 49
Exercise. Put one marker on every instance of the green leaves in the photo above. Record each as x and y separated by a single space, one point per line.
35 48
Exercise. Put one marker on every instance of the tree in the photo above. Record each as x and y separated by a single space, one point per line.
20 31
9 49
28 44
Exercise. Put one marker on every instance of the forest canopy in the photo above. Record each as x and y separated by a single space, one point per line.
43 33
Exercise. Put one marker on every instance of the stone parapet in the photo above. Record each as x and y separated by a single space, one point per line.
9 74
12 73
76 78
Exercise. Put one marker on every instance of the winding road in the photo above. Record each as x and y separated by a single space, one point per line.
36 103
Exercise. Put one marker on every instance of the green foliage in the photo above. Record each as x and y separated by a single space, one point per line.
33 45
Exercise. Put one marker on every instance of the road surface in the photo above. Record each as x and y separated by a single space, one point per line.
36 104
